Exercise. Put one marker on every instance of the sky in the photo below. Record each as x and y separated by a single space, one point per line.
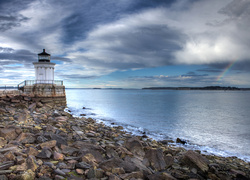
128 43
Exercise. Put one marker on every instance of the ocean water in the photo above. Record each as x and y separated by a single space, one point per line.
216 122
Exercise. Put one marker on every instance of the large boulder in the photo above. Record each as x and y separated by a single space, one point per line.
110 164
134 145
195 160
155 159
138 163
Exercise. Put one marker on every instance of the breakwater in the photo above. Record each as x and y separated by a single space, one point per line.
40 140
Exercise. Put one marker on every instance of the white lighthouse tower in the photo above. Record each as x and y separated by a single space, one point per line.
44 69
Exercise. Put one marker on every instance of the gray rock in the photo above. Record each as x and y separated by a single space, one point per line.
41 139
45 153
83 165
60 172
59 139
69 150
58 177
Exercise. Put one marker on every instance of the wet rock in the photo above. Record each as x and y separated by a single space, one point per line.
178 140
134 145
195 160
46 153
155 158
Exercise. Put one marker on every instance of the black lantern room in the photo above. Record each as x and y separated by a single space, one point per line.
44 57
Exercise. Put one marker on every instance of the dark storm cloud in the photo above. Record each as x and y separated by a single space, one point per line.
11 56
139 46
89 13
9 21
9 16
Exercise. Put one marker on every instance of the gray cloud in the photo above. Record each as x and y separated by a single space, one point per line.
9 21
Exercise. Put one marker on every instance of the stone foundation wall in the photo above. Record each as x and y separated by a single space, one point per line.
44 90
26 100
42 93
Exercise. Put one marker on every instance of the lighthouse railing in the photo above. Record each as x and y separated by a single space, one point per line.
34 82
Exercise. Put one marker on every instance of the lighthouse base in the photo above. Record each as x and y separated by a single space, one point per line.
49 93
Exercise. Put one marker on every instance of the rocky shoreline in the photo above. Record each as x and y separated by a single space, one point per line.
40 140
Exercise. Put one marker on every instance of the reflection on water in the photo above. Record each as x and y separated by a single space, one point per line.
211 119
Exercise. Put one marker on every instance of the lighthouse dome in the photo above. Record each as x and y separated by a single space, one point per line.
44 57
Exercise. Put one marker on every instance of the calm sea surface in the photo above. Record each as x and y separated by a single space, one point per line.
215 122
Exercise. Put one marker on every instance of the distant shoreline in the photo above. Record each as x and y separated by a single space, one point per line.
229 88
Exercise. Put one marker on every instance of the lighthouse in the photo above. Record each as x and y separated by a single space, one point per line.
44 69
44 88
